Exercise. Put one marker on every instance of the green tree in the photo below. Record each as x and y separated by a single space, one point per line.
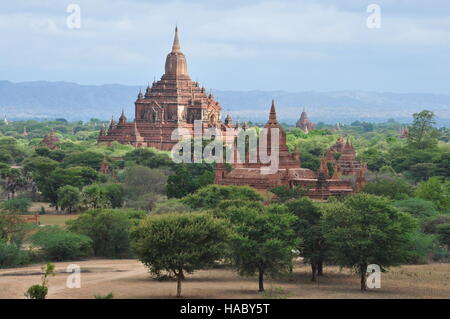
17 205
12 181
187 178
210 196
89 159
374 158
309 230
115 194
179 243
394 188
149 157
79 177
417 207
59 245
366 229
436 192
263 241
285 193
140 180
69 198
421 133
108 229
94 196
443 231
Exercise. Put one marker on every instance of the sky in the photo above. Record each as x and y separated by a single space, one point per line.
290 45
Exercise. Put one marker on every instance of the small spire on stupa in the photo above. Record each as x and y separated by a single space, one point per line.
122 118
140 96
273 114
176 42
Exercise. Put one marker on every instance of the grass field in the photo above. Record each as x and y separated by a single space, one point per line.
130 279
58 220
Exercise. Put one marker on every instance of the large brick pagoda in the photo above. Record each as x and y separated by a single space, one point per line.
175 101
289 173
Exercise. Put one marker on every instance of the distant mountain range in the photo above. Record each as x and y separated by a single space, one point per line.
49 100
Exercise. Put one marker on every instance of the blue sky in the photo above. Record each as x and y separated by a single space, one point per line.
293 45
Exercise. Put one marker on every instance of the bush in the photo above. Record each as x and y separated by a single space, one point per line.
430 225
145 202
69 198
18 205
394 188
170 206
60 245
11 255
40 291
417 207
37 292
424 247
108 229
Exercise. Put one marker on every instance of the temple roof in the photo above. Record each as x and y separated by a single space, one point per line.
176 64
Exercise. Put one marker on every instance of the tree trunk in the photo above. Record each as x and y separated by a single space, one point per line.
363 270
320 268
261 280
179 283
313 271
183 277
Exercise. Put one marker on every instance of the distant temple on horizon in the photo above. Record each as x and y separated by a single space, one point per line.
304 123
50 141
173 102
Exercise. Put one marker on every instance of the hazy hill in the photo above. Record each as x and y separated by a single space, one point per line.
72 101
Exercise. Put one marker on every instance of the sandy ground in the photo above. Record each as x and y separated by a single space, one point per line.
130 279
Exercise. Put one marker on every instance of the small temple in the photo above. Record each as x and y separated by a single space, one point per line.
403 132
289 173
175 101
50 141
304 123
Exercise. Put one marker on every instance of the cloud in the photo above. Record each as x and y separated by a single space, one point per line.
137 34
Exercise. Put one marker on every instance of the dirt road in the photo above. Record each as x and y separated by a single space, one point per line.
130 279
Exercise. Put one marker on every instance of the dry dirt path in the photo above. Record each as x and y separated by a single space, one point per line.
130 279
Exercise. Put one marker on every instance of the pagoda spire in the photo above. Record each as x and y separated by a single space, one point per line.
176 42
273 114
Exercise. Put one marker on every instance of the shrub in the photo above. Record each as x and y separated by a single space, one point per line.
69 198
40 291
417 207
18 205
108 229
11 255
423 247
394 188
210 196
59 245
170 206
